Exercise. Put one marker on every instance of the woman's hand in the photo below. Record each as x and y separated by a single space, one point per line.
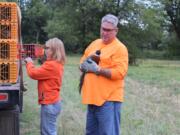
28 59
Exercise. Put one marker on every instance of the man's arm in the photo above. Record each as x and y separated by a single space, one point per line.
104 72
92 67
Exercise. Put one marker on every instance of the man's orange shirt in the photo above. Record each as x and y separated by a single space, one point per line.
49 77
97 89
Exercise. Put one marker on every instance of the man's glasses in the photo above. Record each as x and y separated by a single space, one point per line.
107 30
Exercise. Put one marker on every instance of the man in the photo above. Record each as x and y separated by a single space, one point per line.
103 86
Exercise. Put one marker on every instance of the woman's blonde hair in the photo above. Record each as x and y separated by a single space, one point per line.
57 48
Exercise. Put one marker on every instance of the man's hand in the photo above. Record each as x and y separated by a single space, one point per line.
89 66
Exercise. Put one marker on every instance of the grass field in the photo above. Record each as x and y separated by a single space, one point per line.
151 107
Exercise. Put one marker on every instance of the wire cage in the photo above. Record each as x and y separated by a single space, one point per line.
8 51
8 30
8 12
8 72
8 42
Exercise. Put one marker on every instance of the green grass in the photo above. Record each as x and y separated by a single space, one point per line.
152 104
162 74
151 107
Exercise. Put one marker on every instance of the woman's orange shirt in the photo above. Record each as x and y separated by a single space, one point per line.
49 77
97 89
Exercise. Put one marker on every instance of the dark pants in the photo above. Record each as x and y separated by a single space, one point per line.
104 120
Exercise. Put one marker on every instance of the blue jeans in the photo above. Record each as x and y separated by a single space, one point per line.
49 114
104 120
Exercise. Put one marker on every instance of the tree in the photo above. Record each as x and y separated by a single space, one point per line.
173 11
172 39
35 16
77 22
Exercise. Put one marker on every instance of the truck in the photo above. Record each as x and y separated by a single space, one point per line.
11 72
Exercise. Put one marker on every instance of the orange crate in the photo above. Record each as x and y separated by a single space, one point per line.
8 11
8 30
8 51
8 72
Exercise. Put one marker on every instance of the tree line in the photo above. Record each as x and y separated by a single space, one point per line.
149 28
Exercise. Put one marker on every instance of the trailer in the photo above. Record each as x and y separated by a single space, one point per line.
11 74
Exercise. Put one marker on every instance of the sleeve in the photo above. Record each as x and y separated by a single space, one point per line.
120 63
39 73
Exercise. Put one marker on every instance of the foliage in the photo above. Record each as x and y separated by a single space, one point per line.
173 11
154 54
173 47
35 16
143 30
144 25
172 37
78 23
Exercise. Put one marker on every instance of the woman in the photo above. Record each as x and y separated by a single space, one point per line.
49 77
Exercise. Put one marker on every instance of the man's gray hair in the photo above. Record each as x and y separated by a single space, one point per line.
111 19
